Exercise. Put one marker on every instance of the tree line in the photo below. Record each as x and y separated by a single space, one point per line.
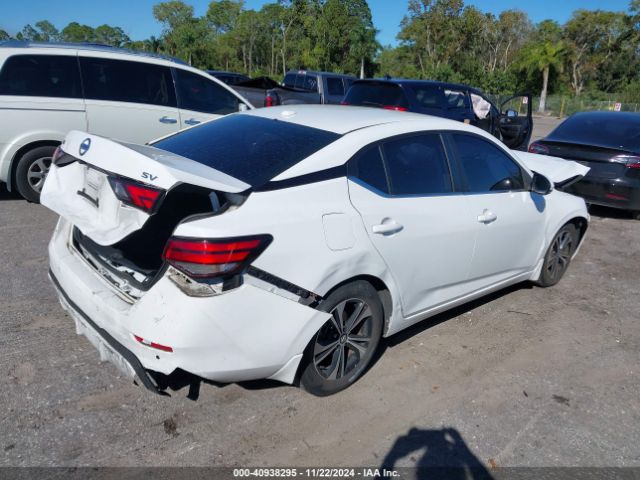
594 54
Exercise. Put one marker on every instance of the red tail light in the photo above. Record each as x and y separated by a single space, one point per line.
395 107
538 148
210 258
148 343
630 161
136 194
344 103
269 101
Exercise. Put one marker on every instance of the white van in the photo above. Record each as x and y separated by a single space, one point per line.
48 89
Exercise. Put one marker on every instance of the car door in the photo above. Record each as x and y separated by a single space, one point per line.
458 105
200 98
509 218
420 225
516 122
128 100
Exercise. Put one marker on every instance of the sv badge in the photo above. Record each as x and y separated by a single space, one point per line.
148 176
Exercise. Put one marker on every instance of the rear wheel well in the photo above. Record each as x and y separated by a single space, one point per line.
383 292
18 155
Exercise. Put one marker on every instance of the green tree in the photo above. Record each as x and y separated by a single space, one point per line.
74 32
109 35
4 35
543 54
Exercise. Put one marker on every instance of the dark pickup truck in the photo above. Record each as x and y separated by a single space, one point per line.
511 122
301 86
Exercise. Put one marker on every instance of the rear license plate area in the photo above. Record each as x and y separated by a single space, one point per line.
93 182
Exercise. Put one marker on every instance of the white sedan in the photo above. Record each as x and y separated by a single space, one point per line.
283 243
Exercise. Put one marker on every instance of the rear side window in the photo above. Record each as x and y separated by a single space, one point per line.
125 81
335 86
373 94
196 92
41 76
369 168
456 100
309 83
249 148
417 165
485 166
429 96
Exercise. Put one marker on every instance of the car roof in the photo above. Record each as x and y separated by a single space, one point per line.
410 81
343 119
94 47
316 72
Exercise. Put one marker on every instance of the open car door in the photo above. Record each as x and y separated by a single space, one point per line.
516 122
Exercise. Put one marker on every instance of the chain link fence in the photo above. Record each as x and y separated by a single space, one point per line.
565 105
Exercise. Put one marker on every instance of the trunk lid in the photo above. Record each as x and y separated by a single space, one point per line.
80 191
559 171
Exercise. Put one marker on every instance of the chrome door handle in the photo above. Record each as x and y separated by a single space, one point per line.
192 121
166 119
487 216
387 228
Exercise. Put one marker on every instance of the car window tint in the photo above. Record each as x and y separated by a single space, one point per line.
249 148
299 81
196 92
290 80
335 86
428 96
41 76
310 83
375 94
456 99
125 81
486 167
417 165
370 169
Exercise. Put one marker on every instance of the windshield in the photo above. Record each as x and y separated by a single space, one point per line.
249 148
606 129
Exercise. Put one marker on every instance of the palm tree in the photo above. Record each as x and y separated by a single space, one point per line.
542 57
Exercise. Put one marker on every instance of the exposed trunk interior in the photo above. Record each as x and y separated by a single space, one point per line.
138 257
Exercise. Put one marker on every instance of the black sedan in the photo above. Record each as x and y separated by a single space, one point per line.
608 143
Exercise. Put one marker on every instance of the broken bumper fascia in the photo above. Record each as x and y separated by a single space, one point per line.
247 333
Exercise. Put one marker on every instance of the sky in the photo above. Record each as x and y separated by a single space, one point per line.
136 19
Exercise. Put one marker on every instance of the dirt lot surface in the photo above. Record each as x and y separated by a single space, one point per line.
526 377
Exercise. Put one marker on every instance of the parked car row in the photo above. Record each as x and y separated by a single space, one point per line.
409 199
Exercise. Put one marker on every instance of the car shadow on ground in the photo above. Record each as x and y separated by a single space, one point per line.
6 194
436 454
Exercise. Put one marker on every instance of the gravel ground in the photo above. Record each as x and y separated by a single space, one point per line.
526 377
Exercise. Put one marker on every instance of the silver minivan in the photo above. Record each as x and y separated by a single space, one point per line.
48 89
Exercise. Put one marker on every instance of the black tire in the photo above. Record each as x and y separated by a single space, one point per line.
31 171
322 371
558 256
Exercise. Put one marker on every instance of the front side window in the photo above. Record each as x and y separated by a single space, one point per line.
486 167
197 92
417 165
41 76
126 81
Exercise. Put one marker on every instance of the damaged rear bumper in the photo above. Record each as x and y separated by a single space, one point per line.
248 333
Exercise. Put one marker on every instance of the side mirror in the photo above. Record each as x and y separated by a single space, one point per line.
511 113
540 184
242 107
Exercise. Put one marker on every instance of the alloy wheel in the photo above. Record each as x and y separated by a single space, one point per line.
344 341
560 254
37 173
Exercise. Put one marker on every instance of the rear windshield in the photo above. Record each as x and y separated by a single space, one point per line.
251 149
376 95
614 130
